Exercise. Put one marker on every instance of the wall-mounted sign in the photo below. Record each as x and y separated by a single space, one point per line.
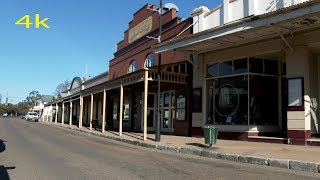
295 94
181 105
140 30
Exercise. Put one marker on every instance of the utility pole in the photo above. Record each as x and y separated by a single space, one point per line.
7 99
158 121
158 124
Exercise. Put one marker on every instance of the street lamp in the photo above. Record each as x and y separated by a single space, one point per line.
157 131
157 134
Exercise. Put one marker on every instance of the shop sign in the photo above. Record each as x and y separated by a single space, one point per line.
140 30
227 101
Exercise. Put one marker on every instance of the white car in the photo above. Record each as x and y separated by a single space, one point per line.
32 116
5 114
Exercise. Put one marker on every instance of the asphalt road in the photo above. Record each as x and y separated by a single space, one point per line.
30 150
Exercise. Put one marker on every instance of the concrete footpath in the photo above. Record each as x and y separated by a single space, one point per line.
303 158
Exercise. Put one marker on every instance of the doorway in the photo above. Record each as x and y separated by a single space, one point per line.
167 111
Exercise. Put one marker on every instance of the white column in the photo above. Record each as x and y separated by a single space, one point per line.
47 118
81 111
70 120
62 113
145 105
51 113
42 117
56 118
104 111
91 111
121 109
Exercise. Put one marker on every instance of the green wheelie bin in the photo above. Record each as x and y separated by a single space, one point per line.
210 134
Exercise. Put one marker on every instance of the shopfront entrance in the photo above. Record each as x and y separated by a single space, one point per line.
167 111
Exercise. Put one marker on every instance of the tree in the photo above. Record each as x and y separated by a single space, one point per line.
62 87
33 98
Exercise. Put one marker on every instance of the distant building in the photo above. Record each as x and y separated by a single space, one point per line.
125 98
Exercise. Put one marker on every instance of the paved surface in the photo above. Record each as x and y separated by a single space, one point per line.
31 150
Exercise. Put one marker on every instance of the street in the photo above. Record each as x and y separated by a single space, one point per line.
31 150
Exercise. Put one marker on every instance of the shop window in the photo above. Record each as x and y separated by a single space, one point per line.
133 66
225 68
173 99
256 65
212 70
150 61
115 111
126 109
271 67
166 99
228 101
240 66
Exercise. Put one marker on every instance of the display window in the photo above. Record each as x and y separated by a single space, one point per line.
243 97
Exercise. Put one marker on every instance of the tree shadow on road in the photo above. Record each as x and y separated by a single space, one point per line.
4 172
2 146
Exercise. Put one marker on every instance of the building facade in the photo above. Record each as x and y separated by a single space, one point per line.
256 65
125 97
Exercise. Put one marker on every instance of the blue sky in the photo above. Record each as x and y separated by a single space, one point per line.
82 32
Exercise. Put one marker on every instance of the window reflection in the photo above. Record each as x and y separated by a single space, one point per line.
213 70
225 68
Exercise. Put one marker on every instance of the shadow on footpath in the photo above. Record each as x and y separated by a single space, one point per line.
201 145
4 170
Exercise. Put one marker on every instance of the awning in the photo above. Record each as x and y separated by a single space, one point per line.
280 23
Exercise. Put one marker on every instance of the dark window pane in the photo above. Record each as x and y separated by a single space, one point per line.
150 100
182 68
225 68
166 99
256 65
169 69
176 69
213 70
271 67
240 66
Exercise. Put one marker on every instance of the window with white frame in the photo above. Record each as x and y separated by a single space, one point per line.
133 66
150 61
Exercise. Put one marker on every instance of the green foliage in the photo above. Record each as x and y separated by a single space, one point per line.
62 87
33 98
23 106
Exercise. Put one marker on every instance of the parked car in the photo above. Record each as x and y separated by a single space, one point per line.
5 114
23 116
32 116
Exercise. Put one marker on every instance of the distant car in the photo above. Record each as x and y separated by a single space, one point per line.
32 116
5 114
23 116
